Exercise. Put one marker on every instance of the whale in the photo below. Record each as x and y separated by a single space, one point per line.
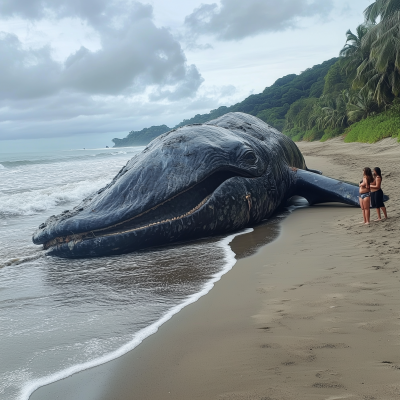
192 182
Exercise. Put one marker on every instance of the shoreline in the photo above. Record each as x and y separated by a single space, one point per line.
144 333
310 315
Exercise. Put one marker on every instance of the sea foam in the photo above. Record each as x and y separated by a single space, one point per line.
38 201
21 260
138 337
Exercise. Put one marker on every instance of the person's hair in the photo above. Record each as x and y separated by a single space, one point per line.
368 174
378 172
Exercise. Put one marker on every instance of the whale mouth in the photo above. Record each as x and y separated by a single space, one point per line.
176 208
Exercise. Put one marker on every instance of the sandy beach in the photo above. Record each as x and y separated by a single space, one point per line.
312 315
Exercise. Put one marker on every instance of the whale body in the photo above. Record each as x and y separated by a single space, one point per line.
195 181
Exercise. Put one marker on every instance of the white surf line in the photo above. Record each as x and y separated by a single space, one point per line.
139 336
20 260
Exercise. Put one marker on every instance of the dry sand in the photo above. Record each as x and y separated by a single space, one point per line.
313 315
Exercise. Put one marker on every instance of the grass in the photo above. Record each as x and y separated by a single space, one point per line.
331 133
376 127
370 130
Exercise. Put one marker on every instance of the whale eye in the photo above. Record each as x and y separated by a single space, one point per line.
249 157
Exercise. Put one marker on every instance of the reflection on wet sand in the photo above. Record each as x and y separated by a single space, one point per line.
247 245
158 269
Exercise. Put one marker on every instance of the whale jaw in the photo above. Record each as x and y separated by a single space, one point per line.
176 210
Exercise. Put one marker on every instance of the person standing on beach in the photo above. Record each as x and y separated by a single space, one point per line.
365 194
377 194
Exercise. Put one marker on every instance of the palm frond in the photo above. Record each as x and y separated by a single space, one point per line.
382 9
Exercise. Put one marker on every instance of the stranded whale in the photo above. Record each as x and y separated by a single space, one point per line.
195 181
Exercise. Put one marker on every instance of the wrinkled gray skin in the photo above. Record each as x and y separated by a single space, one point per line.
196 181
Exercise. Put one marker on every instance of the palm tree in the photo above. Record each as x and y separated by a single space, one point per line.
330 112
384 9
353 53
381 71
361 105
382 84
353 41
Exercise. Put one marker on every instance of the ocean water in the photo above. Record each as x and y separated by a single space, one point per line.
60 316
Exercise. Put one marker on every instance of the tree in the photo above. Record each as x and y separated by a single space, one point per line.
380 72
384 9
335 80
330 112
361 105
354 53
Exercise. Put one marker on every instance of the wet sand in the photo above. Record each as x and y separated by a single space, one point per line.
313 315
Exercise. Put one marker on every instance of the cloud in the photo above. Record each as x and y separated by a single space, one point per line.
238 19
135 54
130 60
71 114
186 88
97 12
26 73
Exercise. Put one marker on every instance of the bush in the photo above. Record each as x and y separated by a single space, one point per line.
298 137
296 133
313 134
331 133
375 128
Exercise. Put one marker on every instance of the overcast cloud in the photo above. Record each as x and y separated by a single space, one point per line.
134 54
99 13
238 19
73 67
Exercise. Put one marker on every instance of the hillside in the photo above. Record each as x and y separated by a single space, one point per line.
141 138
356 95
271 105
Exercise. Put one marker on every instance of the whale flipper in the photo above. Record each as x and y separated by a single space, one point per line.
315 171
321 189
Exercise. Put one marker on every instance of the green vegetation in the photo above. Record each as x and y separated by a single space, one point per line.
356 95
271 105
361 89
141 138
274 102
377 127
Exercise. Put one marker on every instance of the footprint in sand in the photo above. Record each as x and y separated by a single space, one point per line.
270 346
331 346
328 385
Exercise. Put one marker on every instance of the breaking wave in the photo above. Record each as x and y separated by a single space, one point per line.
41 200
63 158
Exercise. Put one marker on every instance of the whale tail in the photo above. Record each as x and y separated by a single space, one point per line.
316 189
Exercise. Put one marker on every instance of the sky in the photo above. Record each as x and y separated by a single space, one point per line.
78 73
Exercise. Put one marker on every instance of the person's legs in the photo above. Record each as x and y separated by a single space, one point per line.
384 212
366 203
368 215
378 211
362 209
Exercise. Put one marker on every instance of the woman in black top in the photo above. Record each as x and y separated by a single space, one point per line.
377 194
